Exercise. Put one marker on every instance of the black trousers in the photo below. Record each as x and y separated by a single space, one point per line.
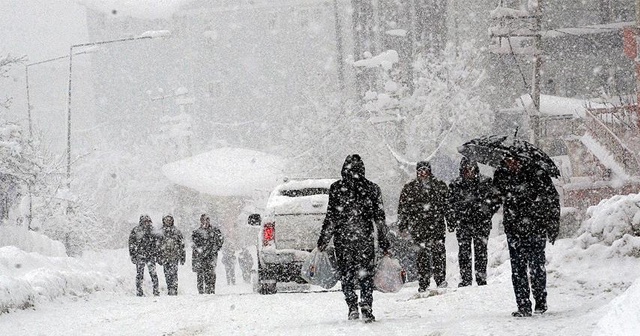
432 261
477 243
357 267
528 262
358 275
171 276
230 271
140 276
206 280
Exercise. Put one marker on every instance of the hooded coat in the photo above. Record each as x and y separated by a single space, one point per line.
355 206
423 207
473 202
171 245
143 244
206 244
531 203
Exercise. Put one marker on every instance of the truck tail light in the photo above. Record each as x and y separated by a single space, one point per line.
268 234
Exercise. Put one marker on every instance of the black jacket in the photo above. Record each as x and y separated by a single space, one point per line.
171 246
530 201
423 208
355 206
206 244
473 202
143 244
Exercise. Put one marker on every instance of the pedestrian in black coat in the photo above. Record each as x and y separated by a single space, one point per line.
172 252
143 250
207 241
473 203
422 211
355 207
531 208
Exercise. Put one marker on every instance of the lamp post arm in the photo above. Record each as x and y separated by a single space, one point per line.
26 80
69 119
111 41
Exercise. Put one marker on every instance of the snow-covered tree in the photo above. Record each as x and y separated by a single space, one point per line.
445 109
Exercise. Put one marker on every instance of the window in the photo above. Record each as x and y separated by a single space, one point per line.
304 192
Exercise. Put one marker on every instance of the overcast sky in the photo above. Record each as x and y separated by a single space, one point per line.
41 29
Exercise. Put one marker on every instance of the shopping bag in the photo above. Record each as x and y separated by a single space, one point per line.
318 270
389 276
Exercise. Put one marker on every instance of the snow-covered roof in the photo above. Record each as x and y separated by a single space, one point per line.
587 30
557 106
227 172
385 59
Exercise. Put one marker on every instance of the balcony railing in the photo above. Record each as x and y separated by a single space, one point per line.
603 132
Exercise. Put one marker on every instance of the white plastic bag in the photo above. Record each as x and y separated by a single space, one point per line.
318 270
389 276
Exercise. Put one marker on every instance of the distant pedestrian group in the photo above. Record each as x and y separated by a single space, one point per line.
167 248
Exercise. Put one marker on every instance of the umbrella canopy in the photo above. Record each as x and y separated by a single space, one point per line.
492 150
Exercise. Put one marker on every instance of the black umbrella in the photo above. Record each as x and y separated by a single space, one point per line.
492 150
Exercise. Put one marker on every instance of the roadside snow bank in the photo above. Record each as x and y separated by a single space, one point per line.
615 222
622 318
31 241
28 277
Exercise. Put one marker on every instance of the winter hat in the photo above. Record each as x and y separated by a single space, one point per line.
145 218
423 165
167 220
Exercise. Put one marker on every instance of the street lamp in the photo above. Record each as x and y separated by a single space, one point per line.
26 70
143 36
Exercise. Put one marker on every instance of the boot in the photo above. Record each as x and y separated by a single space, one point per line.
541 307
353 313
464 284
521 313
367 314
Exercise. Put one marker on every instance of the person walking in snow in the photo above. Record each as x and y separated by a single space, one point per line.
422 211
143 250
207 241
473 203
531 208
246 264
355 207
172 252
229 261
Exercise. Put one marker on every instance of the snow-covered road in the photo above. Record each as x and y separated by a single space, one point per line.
593 285
238 311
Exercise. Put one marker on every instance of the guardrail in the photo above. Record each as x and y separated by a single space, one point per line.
620 151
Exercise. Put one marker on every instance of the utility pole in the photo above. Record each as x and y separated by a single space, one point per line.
340 53
537 65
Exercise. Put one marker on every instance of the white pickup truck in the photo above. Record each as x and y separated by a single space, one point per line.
289 231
